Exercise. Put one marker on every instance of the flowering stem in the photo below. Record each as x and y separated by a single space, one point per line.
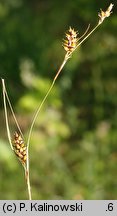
44 99
67 56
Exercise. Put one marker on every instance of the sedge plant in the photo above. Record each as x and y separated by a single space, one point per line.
17 143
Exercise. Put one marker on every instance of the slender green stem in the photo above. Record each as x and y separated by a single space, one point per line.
6 114
44 99
27 174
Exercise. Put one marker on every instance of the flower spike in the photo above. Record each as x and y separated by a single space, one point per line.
19 148
71 41
104 14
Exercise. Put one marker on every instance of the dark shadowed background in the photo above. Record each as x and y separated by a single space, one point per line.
73 149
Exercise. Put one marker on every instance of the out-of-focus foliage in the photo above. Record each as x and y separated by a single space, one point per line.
73 149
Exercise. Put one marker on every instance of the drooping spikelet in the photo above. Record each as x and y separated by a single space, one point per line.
19 147
70 42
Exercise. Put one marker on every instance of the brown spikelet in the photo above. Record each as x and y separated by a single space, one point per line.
70 42
19 148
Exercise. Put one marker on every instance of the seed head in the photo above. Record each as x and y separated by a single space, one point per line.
104 14
70 42
19 148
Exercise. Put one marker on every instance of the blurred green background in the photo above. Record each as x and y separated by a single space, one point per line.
73 149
